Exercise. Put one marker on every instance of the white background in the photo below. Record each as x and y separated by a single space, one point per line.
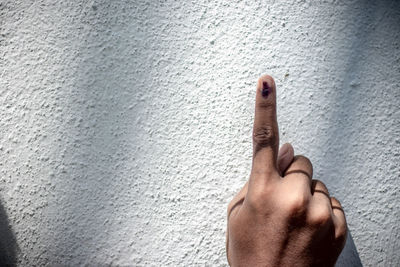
125 126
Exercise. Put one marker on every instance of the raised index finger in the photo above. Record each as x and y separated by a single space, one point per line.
265 130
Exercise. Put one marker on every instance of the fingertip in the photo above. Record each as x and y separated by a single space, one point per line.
291 150
266 85
286 149
266 78
285 157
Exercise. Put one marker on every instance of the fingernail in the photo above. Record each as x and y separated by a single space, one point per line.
266 89
283 151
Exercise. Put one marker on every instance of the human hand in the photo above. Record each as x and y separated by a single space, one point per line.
282 217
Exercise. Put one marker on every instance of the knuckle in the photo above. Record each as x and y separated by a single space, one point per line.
318 185
297 203
305 161
336 202
321 215
341 232
304 158
316 182
264 136
257 198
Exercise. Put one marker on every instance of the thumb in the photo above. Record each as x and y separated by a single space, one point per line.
285 157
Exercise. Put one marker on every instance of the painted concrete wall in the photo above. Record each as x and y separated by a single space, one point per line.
125 125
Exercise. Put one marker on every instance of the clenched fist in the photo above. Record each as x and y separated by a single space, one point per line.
282 217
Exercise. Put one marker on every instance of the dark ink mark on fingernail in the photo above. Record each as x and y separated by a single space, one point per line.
265 90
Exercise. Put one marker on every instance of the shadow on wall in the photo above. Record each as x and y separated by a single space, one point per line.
349 255
8 244
351 97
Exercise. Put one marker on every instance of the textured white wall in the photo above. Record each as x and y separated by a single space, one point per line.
125 126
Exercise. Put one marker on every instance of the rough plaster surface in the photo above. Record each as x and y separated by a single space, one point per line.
125 125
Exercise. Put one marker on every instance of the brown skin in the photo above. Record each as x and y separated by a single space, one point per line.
282 217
